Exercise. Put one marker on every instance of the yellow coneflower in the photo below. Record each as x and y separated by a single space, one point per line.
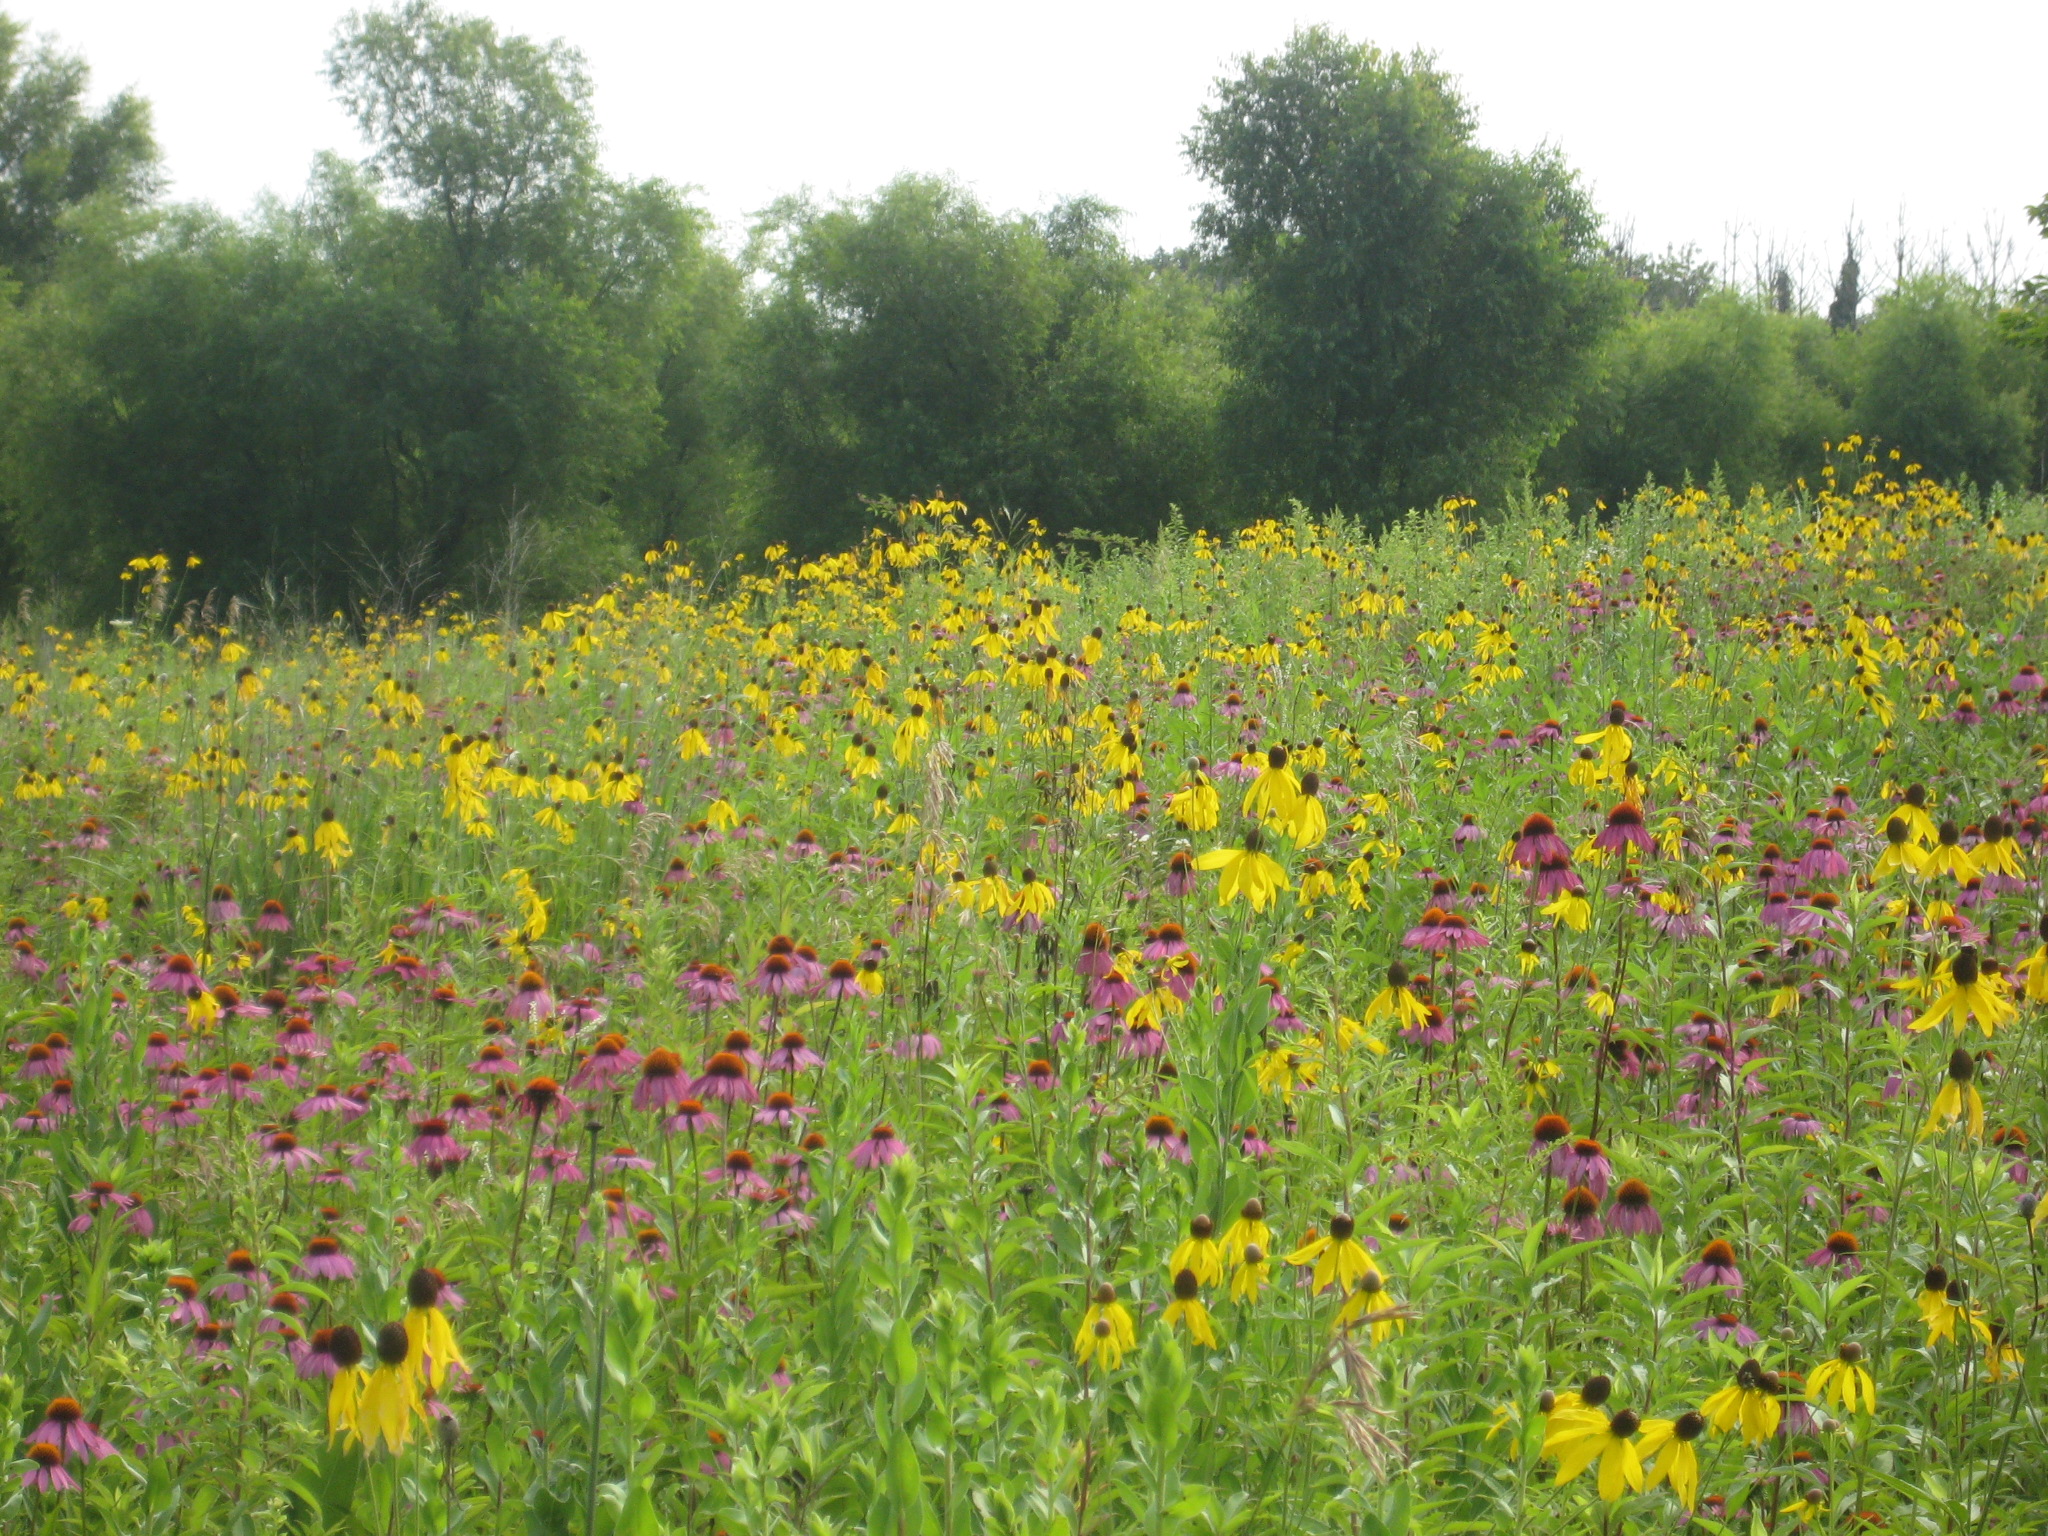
1751 1401
1582 1438
1198 1251
1250 1275
1248 871
1912 810
1969 992
1958 1097
1670 1442
430 1341
1844 1379
1397 1001
1570 908
1196 805
1901 851
1809 1506
1186 1309
344 1395
1033 898
1249 1228
1948 857
1305 823
1372 1303
1953 1308
391 1397
1275 790
1339 1258
1612 738
1932 1302
2002 1358
2035 967
330 840
1107 1333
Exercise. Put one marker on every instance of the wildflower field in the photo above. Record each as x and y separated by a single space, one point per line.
1517 1024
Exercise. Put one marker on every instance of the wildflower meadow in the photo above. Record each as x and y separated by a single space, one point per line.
1529 1023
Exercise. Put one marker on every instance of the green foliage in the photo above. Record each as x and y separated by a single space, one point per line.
56 158
1417 314
1724 385
1934 377
914 340
471 361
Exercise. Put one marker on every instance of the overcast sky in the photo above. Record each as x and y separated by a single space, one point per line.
1733 126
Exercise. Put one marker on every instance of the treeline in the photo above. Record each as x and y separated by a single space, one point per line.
475 361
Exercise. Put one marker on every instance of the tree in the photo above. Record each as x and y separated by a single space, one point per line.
1936 382
914 342
1679 279
56 157
1417 314
472 334
1732 384
1848 299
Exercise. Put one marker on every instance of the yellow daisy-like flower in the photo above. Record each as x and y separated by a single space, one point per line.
330 840
1396 1001
1969 992
1186 1309
1584 1438
1750 1401
1196 806
1304 822
390 1400
1107 1333
1250 1228
1199 1252
1948 857
1670 1442
1339 1258
1845 1380
1958 1098
1275 790
1251 1275
1901 851
1248 871
1374 1305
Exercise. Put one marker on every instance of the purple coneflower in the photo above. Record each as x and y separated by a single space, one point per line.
661 1080
691 1118
1581 1208
178 976
1633 1214
1841 1251
1583 1162
1625 829
725 1080
879 1148
64 1426
794 1054
782 1109
281 1149
1716 1266
1538 841
431 1143
1724 1326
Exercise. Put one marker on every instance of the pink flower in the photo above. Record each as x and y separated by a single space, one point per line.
661 1080
281 1149
431 1143
64 1426
179 977
46 1472
881 1147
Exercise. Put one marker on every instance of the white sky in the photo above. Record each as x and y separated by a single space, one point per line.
1733 126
